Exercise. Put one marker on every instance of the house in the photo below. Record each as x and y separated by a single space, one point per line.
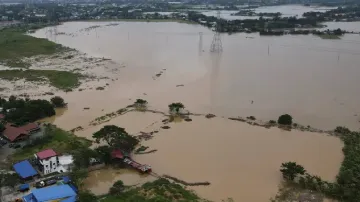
13 133
59 193
47 161
25 170
66 162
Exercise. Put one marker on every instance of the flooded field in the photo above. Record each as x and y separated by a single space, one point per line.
312 79
239 160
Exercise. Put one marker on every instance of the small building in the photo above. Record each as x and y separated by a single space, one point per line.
25 170
65 163
14 133
61 193
47 161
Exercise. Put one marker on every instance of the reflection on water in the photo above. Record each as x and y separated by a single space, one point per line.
58 112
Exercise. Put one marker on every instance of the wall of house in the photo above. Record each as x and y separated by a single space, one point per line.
49 165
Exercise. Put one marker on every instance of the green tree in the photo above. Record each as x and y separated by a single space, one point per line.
116 137
58 101
175 107
290 170
82 157
2 127
285 119
104 153
77 176
86 196
140 103
117 188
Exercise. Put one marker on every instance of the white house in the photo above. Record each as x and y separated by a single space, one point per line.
66 163
47 161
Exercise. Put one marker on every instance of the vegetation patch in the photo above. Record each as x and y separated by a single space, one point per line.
346 187
15 45
159 190
329 36
60 79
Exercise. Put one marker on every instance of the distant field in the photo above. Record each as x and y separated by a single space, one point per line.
59 79
147 20
15 45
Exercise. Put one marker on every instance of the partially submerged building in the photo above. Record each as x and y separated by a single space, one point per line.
59 193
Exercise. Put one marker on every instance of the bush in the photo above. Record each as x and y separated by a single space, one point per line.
58 101
285 119
342 130
272 122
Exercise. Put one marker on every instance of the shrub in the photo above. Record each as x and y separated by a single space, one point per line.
342 130
58 101
285 119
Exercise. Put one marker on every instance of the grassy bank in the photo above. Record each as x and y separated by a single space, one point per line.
15 45
59 79
54 138
158 190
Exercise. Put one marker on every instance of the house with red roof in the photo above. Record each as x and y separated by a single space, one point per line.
14 133
47 161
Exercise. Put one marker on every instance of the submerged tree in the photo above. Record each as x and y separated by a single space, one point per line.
116 137
175 107
58 101
290 170
86 196
140 103
285 119
117 188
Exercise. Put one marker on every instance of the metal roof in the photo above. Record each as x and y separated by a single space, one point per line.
24 169
53 193
46 154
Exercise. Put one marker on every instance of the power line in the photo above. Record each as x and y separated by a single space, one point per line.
216 45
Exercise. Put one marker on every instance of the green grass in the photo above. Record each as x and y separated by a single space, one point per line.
54 138
160 190
59 79
329 36
15 45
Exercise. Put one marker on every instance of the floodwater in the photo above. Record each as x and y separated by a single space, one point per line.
239 160
312 79
286 10
348 26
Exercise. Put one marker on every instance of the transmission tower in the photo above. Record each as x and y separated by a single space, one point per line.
216 45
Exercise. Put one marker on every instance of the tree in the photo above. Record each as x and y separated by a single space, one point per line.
117 188
285 119
58 101
176 107
104 153
290 170
82 157
116 137
140 103
2 127
77 176
86 196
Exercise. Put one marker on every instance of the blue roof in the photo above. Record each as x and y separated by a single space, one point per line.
66 179
28 198
25 169
71 199
24 186
53 193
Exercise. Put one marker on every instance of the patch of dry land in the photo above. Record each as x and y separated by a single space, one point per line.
240 160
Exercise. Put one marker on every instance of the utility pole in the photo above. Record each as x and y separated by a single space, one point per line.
216 45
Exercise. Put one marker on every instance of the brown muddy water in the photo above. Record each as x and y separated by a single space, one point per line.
314 80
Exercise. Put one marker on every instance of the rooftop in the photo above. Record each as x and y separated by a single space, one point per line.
12 132
24 169
46 154
52 193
